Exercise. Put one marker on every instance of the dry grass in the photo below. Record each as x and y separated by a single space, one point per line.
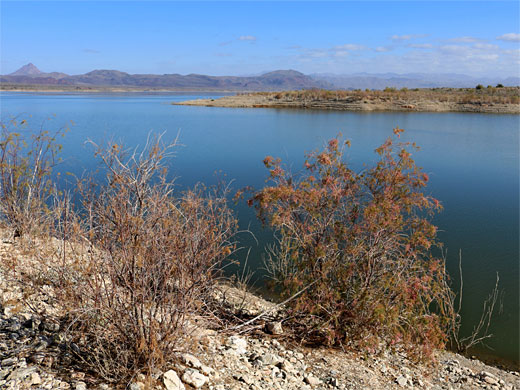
504 95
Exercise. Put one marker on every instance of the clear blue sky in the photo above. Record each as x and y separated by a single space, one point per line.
475 38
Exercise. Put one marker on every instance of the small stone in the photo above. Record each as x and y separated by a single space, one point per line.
238 344
35 379
41 345
402 381
194 378
63 385
48 361
286 366
80 386
8 362
270 359
190 360
77 375
490 380
49 326
274 328
311 380
21 373
206 370
37 357
247 379
136 386
172 381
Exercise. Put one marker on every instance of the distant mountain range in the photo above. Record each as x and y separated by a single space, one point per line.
270 81
410 80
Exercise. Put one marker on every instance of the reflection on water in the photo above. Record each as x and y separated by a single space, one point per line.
472 161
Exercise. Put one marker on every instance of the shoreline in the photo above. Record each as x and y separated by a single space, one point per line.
377 101
263 358
107 89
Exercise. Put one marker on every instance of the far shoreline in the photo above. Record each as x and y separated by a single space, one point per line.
493 101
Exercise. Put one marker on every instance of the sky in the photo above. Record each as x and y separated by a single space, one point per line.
479 38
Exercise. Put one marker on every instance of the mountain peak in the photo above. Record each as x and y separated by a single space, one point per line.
286 73
27 70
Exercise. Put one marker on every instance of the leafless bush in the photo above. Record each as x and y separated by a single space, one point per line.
152 260
27 158
453 306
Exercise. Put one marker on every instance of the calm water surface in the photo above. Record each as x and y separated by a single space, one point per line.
472 160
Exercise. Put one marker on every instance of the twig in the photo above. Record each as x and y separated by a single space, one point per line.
274 308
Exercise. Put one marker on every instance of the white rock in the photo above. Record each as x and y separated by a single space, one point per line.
190 360
402 381
172 381
287 366
35 379
136 386
247 379
311 380
270 359
489 378
80 386
238 344
274 328
194 378
206 370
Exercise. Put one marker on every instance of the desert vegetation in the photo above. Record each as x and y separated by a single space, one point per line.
498 100
493 95
359 244
355 251
134 262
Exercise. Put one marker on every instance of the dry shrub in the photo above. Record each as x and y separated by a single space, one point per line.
357 245
130 262
26 161
152 262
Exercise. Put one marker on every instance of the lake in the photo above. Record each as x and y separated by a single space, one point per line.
472 161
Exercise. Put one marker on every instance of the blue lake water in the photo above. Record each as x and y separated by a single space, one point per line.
472 161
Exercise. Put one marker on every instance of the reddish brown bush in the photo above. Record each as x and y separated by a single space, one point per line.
358 244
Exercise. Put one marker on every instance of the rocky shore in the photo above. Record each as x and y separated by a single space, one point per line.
355 102
35 354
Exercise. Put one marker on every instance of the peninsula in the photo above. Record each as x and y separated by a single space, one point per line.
498 100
